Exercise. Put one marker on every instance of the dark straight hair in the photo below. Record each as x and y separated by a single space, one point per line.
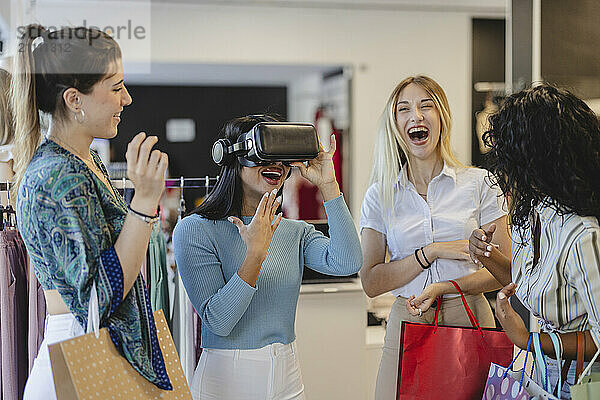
225 199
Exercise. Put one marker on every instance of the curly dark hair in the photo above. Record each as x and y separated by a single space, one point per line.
545 145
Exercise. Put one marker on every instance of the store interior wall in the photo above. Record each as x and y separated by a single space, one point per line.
382 46
208 107
488 66
570 37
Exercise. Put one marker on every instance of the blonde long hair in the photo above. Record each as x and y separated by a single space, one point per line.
70 57
391 151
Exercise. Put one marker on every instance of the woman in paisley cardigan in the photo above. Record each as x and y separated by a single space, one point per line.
78 231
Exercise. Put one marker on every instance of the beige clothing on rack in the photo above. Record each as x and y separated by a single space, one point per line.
6 171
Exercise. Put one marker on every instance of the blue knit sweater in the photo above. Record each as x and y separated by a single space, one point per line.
236 315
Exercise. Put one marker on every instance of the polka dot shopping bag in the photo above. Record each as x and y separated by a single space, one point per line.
90 367
505 384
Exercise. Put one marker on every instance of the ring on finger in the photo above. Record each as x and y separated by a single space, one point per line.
420 312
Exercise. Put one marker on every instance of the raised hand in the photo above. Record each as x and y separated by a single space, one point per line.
321 172
480 244
146 170
258 233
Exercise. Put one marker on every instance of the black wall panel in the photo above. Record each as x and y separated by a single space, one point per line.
209 107
487 66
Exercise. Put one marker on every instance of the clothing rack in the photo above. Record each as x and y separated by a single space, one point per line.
182 183
5 186
206 182
7 213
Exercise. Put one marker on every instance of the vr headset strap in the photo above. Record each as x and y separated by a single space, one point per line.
240 147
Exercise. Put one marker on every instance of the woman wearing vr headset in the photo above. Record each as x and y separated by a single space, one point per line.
421 207
242 265
80 235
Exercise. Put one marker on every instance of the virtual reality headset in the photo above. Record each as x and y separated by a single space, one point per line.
267 143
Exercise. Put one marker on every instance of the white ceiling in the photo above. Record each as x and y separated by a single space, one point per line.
437 5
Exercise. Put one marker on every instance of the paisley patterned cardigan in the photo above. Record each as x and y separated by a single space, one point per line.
69 221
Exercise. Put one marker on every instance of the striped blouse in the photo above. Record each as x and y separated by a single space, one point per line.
563 288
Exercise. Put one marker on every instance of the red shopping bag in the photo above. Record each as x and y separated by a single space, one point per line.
448 362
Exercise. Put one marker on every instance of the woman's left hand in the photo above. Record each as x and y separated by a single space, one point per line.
480 244
320 170
416 306
511 322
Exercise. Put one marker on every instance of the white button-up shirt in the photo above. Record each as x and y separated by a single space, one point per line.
459 200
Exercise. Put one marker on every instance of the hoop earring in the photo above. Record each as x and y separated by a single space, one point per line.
82 116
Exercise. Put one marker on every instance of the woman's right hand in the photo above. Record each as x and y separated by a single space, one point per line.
416 306
455 250
146 170
258 233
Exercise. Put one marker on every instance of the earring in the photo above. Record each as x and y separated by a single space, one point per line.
82 113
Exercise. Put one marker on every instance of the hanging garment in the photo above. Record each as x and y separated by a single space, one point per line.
183 328
198 332
183 317
157 272
37 314
13 315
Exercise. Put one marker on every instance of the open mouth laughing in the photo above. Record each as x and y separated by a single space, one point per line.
272 175
418 134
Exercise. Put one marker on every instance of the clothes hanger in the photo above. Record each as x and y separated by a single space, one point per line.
1 217
181 208
9 210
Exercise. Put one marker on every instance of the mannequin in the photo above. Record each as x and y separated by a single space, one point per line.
482 123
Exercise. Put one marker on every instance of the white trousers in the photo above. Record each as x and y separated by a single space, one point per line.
40 384
269 373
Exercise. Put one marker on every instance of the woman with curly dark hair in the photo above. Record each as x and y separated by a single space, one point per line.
545 145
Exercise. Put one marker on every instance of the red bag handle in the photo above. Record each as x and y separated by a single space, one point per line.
467 309
437 311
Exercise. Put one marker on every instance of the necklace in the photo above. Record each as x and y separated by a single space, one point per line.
62 144
89 162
